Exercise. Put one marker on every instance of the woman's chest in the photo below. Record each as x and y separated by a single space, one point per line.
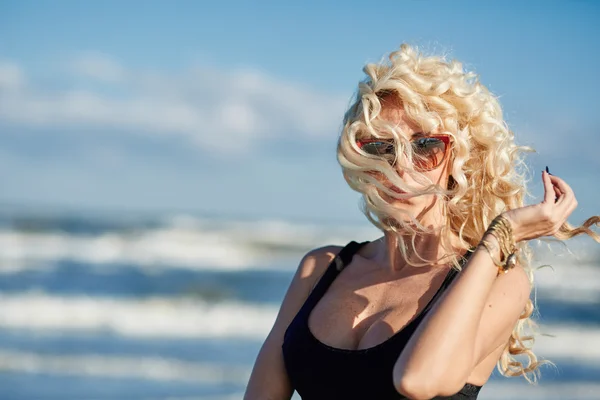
360 314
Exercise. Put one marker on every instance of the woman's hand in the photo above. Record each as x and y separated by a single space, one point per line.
545 218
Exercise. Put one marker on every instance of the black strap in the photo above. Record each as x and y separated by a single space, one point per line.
340 261
345 255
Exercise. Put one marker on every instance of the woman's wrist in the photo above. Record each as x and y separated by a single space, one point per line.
516 231
491 245
500 243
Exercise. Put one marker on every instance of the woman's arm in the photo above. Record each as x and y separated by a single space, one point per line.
269 380
478 312
475 316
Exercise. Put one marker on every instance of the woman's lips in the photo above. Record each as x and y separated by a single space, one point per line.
394 199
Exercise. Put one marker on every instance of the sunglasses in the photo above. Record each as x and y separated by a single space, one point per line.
428 151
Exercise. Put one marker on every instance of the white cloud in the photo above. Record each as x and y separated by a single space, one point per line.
11 76
197 104
99 66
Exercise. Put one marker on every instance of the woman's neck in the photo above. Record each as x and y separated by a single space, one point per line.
429 251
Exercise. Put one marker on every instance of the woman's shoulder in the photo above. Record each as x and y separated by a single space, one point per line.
312 266
315 262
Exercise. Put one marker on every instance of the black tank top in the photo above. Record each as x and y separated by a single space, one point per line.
318 371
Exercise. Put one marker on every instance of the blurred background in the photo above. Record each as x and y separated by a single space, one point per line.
165 165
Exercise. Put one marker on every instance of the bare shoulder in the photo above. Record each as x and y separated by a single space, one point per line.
312 266
315 262
269 378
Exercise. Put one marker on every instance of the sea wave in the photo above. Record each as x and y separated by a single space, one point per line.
180 242
171 318
153 317
505 389
187 241
579 283
174 370
139 367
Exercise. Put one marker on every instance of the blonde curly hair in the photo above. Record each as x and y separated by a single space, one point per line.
487 168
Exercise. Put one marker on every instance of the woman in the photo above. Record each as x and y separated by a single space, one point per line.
430 308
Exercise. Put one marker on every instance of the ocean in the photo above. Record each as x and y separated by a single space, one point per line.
114 306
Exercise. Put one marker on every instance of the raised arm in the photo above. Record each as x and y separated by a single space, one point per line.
269 380
478 312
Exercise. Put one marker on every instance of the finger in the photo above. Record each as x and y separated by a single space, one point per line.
572 207
561 184
557 192
549 194
565 205
567 196
564 200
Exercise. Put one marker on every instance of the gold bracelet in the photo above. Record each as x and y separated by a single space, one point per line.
486 245
501 229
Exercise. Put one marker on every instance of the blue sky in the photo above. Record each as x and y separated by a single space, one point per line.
233 108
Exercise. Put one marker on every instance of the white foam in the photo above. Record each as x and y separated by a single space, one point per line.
577 342
174 370
569 283
154 248
182 242
509 388
161 317
140 367
199 244
167 317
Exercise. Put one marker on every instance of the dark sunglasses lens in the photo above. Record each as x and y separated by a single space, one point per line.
381 149
428 153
